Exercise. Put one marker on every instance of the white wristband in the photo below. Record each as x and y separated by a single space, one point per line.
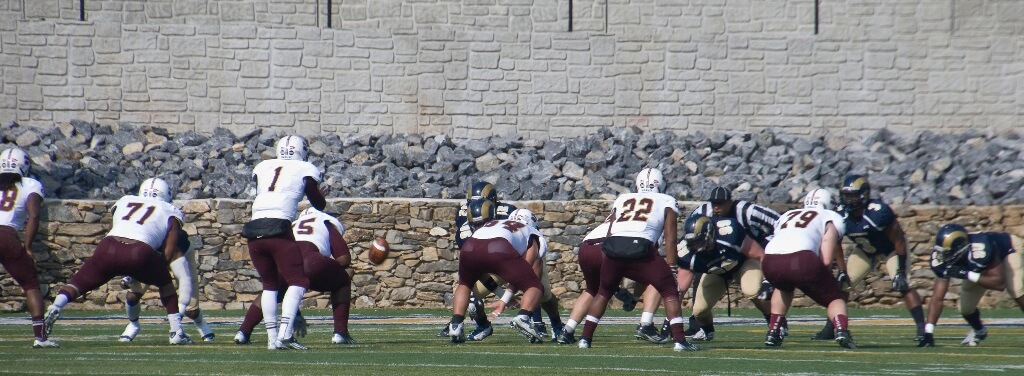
973 276
929 328
507 297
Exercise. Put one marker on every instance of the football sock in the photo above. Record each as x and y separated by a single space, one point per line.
523 312
268 303
133 311
570 326
289 308
709 328
841 322
37 328
775 322
170 303
62 299
340 311
458 319
589 326
974 319
918 314
678 329
646 318
175 320
252 317
536 316
183 275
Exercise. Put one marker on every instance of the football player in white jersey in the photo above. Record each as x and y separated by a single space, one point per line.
185 271
504 247
21 199
280 185
799 257
638 222
140 245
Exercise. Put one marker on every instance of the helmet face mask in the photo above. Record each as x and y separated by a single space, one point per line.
155 188
649 180
292 148
14 161
700 234
481 211
951 243
855 192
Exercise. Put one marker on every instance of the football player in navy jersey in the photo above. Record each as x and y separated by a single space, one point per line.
718 248
984 261
877 237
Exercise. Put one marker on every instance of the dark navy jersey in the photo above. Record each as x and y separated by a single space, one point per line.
726 256
463 231
986 249
868 230
757 221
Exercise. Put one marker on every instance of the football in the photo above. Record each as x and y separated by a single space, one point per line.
378 251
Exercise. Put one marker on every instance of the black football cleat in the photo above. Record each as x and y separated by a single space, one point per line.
773 339
845 339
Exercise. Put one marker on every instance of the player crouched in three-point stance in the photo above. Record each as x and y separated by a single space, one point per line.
140 245
280 185
325 257
21 198
637 222
185 272
504 247
799 256
983 260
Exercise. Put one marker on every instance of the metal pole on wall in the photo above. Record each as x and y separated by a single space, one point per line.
606 16
816 10
570 15
328 14
81 10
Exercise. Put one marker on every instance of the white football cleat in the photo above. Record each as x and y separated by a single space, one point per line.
974 337
241 338
206 331
130 331
702 335
47 343
180 338
342 339
52 314
525 327
583 344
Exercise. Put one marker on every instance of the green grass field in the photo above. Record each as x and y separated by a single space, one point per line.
407 345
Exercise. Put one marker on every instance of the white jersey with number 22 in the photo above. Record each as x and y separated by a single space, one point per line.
641 215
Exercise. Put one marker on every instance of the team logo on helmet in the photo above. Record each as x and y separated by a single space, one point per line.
292 148
649 180
14 161
524 216
700 233
482 189
855 192
818 199
155 188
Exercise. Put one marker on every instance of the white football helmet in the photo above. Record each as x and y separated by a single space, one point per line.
155 188
524 216
292 148
649 180
14 160
819 199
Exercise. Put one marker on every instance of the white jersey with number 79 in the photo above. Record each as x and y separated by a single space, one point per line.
802 230
280 185
641 215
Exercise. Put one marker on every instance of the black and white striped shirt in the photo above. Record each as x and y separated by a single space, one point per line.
757 220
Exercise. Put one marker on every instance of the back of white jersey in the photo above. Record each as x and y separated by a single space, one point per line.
280 185
641 215
516 233
13 202
802 230
598 232
143 219
310 227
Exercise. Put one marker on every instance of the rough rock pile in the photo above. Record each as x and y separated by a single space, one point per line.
81 160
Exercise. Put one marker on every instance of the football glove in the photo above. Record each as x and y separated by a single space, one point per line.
899 283
844 281
928 341
956 271
766 290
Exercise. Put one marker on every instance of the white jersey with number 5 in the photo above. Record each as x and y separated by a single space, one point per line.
280 185
310 227
802 230
143 219
641 215
516 233
12 202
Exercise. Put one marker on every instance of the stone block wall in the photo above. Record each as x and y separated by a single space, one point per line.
421 268
471 69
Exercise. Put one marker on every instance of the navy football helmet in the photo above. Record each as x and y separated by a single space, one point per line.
482 189
481 210
951 243
855 192
700 233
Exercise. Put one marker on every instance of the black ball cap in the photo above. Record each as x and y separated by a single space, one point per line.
719 194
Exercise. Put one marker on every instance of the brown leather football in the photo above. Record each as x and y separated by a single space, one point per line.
378 251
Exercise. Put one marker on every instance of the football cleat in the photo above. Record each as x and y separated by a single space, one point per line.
456 333
845 339
443 332
648 333
920 334
565 338
342 339
826 334
481 332
52 314
773 339
525 327
666 329
130 331
556 330
45 344
241 338
583 344
289 344
685 346
784 330
180 338
541 329
627 298
974 337
702 335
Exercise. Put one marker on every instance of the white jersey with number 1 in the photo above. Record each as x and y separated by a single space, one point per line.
13 202
280 185
802 230
516 233
641 215
144 219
